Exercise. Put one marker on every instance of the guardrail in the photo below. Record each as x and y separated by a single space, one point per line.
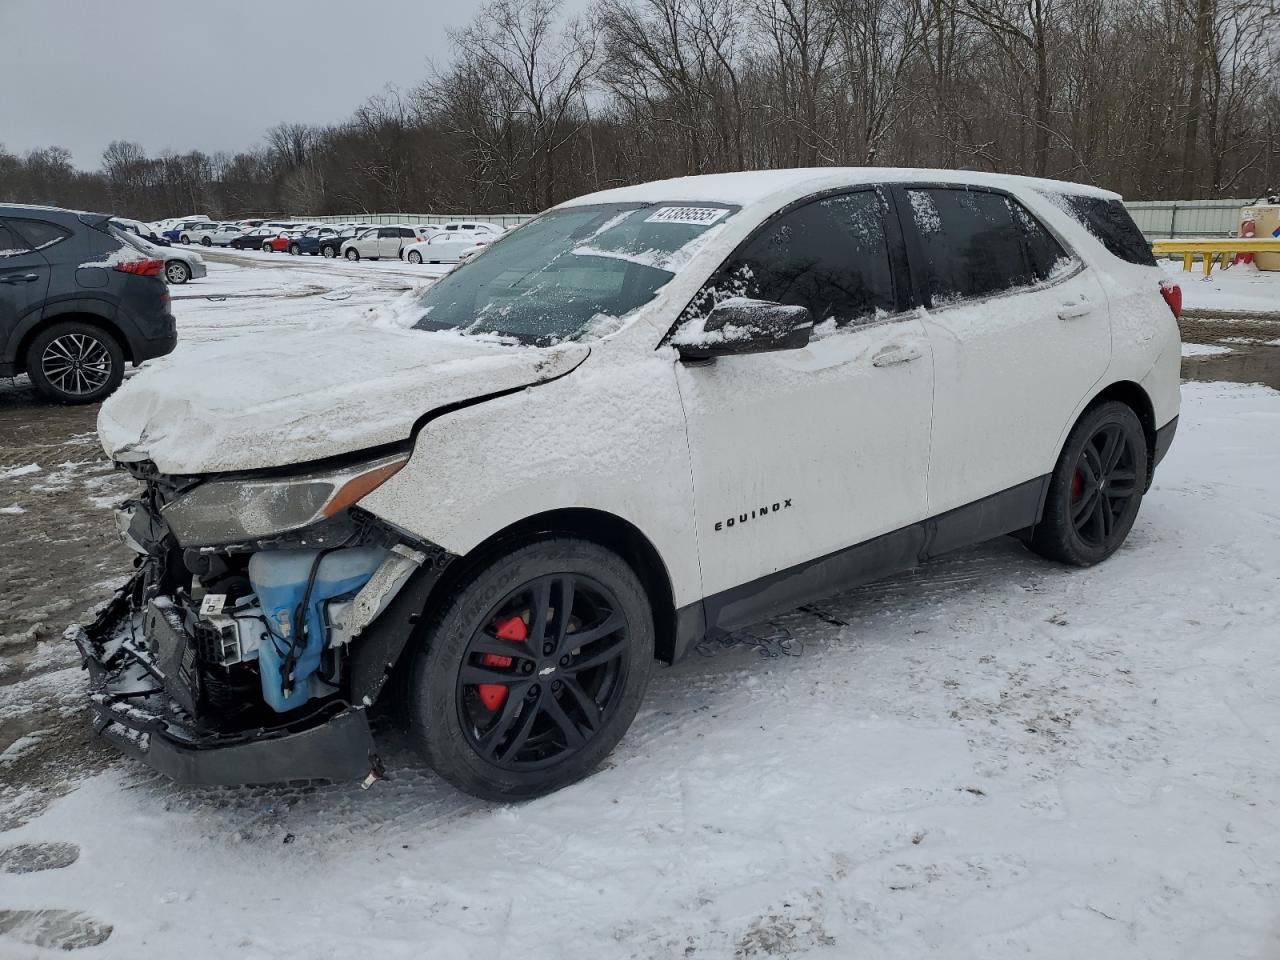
1213 250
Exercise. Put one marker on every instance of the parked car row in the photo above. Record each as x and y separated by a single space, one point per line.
416 243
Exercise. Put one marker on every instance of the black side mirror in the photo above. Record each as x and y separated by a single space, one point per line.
741 325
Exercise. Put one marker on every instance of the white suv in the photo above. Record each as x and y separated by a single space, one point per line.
650 415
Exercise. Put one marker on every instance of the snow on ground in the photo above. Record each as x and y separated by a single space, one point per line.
1203 350
995 757
1242 287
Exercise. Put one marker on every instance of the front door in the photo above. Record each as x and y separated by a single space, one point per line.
1020 333
799 455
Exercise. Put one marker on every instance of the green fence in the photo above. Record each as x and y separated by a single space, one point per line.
1176 219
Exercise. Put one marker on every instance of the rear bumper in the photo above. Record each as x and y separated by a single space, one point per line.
134 713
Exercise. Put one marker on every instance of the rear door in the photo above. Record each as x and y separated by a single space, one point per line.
24 283
1020 333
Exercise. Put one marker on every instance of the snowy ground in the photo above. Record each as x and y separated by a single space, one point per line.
1241 287
992 756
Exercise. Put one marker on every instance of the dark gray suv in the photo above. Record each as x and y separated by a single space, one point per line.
77 300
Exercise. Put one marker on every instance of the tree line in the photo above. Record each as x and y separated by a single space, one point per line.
1152 98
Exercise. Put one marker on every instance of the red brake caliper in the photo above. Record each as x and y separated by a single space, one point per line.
1077 486
493 695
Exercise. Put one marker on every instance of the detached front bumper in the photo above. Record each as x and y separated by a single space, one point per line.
133 711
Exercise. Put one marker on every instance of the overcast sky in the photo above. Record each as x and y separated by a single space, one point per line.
204 75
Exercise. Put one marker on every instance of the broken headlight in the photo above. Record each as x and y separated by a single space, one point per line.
231 511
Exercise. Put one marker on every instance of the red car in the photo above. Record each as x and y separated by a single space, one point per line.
277 244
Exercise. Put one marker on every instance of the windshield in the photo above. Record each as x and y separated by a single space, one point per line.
571 272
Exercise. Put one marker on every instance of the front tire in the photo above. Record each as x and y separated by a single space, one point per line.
184 239
415 256
353 254
533 671
75 363
1096 488
294 250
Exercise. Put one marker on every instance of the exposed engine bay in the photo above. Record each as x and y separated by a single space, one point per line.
250 641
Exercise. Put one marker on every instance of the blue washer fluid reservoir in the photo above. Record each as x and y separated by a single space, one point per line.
279 578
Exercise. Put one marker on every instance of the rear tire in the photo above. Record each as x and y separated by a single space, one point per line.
73 362
177 272
206 242
294 250
1096 488
555 708
328 253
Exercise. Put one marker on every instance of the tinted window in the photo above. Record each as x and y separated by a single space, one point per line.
1110 222
970 244
11 245
1044 254
39 233
830 256
387 232
405 232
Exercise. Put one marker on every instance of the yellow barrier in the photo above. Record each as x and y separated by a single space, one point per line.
1213 250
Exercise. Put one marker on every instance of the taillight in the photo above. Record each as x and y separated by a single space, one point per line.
1172 294
141 267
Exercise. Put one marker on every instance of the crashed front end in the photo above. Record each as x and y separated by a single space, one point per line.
262 621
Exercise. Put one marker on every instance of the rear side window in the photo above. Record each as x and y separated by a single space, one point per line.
39 233
1110 222
11 245
831 256
1044 253
970 243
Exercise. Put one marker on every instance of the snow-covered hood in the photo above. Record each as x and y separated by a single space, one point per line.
276 399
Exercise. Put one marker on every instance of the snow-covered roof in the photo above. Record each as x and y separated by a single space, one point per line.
751 187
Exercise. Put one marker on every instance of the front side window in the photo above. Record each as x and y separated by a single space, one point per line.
830 256
40 234
970 243
572 272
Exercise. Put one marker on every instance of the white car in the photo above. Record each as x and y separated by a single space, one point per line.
472 228
447 247
179 265
210 234
650 415
386 241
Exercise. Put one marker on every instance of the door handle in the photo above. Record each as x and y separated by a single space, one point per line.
895 354
1074 311
20 278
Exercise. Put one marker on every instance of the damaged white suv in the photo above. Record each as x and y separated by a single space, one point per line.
650 415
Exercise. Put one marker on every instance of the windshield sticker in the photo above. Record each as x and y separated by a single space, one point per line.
698 216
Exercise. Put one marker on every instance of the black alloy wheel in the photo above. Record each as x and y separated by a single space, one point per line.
544 672
1104 482
1096 488
532 670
